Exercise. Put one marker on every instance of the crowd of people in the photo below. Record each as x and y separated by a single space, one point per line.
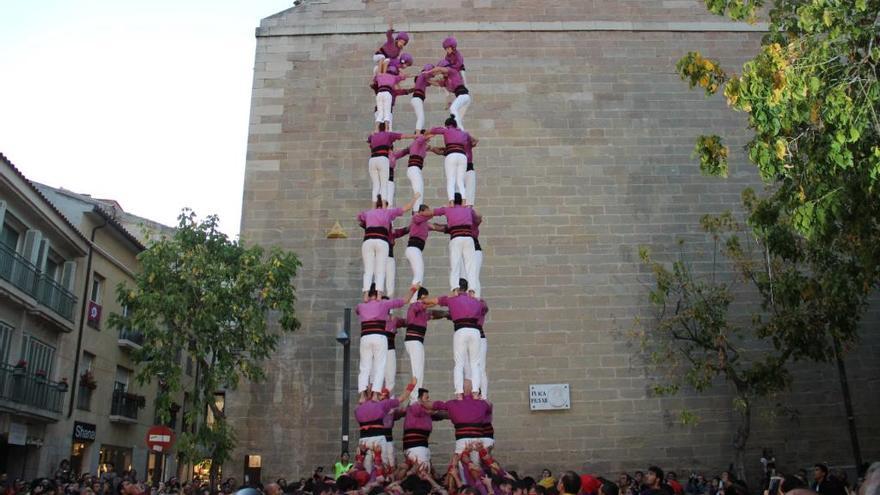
482 477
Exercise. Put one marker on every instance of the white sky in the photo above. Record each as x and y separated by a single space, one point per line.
146 103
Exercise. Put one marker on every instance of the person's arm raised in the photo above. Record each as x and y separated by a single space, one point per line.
412 202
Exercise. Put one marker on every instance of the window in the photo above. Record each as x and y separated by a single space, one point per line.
5 342
53 266
39 355
123 376
84 393
97 294
9 237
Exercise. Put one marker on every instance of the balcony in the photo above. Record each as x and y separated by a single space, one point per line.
26 277
29 394
124 407
130 339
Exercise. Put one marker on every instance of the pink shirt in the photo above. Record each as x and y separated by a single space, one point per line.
422 81
465 411
417 314
462 306
373 410
417 418
389 80
418 227
419 146
453 80
377 309
383 138
454 60
392 157
379 217
389 48
457 215
452 135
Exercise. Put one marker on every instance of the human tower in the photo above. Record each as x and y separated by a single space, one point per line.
378 408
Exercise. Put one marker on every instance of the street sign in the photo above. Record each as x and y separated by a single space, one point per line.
160 438
549 397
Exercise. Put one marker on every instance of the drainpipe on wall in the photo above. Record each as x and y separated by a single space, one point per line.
82 319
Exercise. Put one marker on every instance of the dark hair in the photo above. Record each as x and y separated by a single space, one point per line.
638 473
462 284
346 483
456 200
422 292
503 481
539 489
422 391
423 207
657 472
468 490
671 474
379 201
410 483
422 131
822 467
609 488
381 126
790 483
372 292
529 481
571 482
450 121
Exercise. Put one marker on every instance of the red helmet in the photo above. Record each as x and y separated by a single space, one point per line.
450 43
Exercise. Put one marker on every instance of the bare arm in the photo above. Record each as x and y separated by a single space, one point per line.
409 205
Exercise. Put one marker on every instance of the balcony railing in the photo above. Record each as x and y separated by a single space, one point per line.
19 386
124 407
18 271
131 339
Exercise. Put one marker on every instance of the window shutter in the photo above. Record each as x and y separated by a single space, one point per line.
68 275
31 249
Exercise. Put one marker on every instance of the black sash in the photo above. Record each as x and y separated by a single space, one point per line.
372 327
382 150
469 430
416 161
459 231
454 148
415 332
416 242
380 233
461 90
415 438
465 323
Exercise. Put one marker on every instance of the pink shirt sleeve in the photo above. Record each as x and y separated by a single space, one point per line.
402 153
419 219
439 406
443 301
361 218
394 136
438 130
395 303
439 211
394 213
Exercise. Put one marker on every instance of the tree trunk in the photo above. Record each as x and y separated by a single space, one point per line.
741 437
214 472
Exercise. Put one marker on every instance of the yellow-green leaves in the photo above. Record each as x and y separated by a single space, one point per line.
713 156
702 72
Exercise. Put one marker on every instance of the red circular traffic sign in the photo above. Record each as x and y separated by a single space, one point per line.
160 438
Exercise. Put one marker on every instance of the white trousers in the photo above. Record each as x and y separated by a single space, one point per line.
374 353
484 381
375 254
389 190
417 263
462 253
383 106
462 444
378 58
416 352
419 108
390 276
455 165
458 108
466 347
388 453
369 443
390 368
470 184
421 455
414 174
379 168
478 266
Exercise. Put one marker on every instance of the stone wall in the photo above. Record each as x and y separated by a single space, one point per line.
586 138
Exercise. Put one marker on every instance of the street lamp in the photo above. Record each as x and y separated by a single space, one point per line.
344 338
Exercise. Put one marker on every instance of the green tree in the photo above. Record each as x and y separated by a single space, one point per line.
696 342
200 292
811 95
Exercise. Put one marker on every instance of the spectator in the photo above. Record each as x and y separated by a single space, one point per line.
569 483
672 481
547 479
823 484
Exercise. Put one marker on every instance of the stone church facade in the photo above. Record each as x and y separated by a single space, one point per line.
585 155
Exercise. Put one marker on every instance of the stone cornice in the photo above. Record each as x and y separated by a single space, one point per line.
446 27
